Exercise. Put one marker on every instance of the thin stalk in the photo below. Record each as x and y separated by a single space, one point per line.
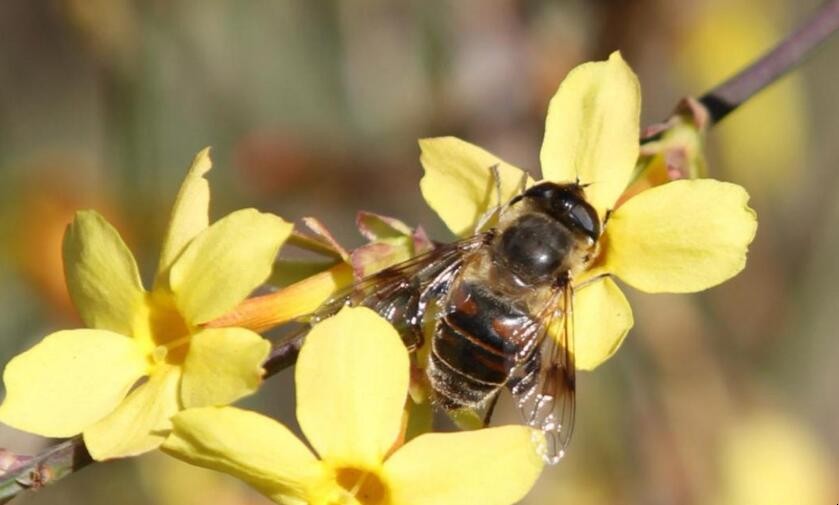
60 460
25 473
734 92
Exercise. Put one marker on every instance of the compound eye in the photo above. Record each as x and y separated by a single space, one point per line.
584 218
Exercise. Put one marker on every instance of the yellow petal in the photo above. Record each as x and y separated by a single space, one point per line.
101 274
223 365
161 478
681 237
592 130
225 262
458 182
140 423
248 445
352 382
69 381
304 297
190 214
602 318
495 466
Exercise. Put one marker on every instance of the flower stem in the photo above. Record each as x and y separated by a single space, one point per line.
22 472
729 95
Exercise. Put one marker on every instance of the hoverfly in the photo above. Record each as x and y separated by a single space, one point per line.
495 308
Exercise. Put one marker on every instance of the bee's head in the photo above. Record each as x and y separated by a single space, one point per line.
567 204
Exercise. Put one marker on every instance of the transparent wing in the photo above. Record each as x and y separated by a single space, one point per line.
402 293
543 381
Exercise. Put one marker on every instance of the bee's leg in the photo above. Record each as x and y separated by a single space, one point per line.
523 182
496 177
490 408
468 416
491 213
592 280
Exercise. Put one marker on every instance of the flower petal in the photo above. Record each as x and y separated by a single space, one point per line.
352 382
190 214
70 380
592 130
225 262
248 445
602 318
101 274
138 425
261 313
458 182
681 237
490 466
222 365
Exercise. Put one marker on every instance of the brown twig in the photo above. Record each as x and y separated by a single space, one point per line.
793 50
24 472
69 456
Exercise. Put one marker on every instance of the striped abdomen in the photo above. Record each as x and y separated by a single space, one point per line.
475 345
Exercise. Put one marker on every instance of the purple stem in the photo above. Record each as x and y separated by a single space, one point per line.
729 95
70 455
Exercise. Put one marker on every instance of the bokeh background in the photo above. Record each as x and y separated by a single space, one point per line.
313 109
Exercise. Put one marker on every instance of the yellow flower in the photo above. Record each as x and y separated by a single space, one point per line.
390 242
83 381
671 150
683 236
352 380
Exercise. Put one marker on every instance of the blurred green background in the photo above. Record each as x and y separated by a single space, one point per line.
314 108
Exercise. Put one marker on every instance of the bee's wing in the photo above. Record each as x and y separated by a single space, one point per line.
543 381
401 293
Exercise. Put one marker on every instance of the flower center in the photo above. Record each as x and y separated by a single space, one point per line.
162 330
364 486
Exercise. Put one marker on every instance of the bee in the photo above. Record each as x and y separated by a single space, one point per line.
495 309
